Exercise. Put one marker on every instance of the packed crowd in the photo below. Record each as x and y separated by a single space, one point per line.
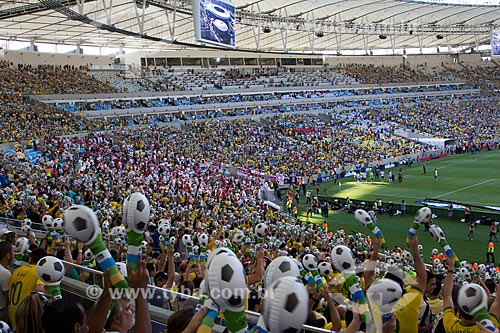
468 121
391 74
302 148
291 96
482 76
184 176
37 120
22 118
205 214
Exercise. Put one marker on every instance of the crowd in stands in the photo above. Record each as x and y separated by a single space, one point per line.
469 121
185 176
197 199
391 74
205 99
486 77
22 118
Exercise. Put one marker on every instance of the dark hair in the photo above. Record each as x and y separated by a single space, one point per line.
37 254
5 248
62 316
60 254
114 254
437 289
179 320
430 276
490 284
150 267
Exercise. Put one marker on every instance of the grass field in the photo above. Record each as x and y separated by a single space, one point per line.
467 178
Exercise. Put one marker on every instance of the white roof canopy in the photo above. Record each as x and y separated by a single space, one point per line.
295 25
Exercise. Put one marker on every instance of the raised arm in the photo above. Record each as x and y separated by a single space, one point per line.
495 306
97 318
171 268
334 314
369 273
138 280
259 269
418 263
448 284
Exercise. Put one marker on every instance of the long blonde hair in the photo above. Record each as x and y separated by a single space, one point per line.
29 314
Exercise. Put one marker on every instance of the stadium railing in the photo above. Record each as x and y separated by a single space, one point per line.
159 316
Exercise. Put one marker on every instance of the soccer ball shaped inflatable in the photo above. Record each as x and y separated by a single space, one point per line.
238 237
280 267
203 240
4 327
121 232
81 223
50 270
164 228
286 305
362 217
226 281
343 259
22 245
384 293
261 230
187 241
47 221
136 212
423 215
25 229
58 224
472 297
324 268
88 255
464 273
436 232
215 253
309 262
27 221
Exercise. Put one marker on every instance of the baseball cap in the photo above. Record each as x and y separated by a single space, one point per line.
4 231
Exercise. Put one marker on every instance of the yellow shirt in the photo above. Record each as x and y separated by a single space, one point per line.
23 281
406 310
436 305
452 324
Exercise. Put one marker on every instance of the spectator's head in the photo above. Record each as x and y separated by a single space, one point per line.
396 276
151 268
160 279
29 313
10 236
64 316
122 316
179 320
490 284
37 254
431 282
6 253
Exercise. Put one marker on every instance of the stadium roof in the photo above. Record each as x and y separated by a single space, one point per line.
291 25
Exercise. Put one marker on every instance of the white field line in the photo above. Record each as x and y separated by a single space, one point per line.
466 187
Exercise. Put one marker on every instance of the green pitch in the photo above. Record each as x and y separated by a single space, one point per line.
470 179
